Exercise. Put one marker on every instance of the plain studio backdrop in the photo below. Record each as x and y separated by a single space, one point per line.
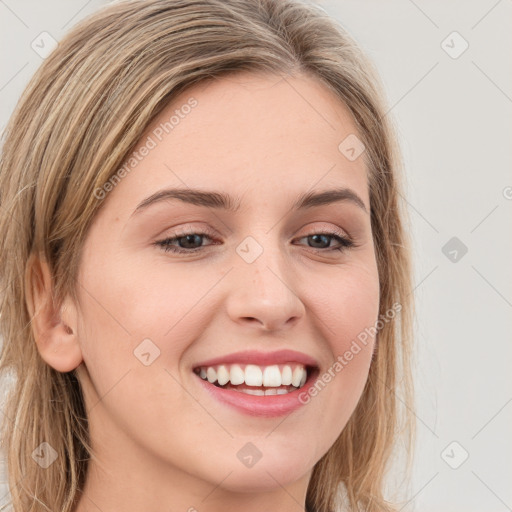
447 73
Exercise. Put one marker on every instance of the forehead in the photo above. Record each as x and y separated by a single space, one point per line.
247 108
257 135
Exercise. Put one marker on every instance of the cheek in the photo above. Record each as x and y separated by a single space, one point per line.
135 298
129 309
347 312
123 324
347 303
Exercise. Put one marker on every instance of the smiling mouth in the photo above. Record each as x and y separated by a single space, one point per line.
277 379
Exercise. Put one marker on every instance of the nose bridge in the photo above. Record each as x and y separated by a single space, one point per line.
261 254
263 264
263 290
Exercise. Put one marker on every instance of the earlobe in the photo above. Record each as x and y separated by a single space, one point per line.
54 328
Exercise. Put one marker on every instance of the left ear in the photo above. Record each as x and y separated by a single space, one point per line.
54 328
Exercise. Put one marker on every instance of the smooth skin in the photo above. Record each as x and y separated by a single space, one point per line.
161 441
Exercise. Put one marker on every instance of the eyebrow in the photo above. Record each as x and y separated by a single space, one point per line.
219 200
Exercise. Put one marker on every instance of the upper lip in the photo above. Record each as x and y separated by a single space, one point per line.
261 358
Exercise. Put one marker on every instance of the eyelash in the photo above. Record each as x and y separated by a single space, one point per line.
165 244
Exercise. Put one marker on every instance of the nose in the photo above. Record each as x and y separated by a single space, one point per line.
263 293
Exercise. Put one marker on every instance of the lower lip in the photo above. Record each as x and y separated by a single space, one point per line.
262 406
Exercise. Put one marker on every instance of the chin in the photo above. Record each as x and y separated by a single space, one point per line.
262 478
273 468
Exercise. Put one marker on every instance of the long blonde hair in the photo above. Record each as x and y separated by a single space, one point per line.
80 116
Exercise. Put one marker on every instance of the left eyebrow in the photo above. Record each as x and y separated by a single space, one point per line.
220 200
311 199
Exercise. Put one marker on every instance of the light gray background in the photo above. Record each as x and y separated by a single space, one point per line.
454 120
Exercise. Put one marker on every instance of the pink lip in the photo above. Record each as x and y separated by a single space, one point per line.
262 406
261 359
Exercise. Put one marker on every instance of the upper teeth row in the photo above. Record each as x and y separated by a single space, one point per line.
253 375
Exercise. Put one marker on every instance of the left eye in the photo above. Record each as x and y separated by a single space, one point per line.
187 242
343 240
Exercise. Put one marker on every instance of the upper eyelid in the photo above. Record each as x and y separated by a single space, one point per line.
187 228
332 232
211 234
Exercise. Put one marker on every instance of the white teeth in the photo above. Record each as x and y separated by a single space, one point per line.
253 375
237 375
272 376
222 375
297 376
261 392
211 374
258 392
286 376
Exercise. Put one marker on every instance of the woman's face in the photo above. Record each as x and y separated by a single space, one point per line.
259 281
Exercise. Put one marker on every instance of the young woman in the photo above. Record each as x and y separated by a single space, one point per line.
206 295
